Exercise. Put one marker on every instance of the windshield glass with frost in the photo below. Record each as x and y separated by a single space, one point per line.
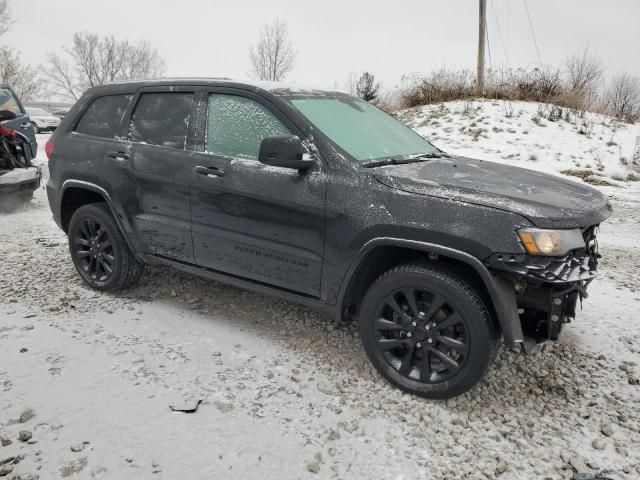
361 129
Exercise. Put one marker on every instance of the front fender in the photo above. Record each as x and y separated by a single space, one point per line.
499 290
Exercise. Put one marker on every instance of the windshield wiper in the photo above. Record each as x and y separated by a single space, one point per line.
438 154
402 161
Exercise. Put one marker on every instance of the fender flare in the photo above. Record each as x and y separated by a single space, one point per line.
499 289
117 214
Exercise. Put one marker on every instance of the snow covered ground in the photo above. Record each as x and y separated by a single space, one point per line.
287 393
528 134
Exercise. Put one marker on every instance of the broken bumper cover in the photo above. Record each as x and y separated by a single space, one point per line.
577 266
547 289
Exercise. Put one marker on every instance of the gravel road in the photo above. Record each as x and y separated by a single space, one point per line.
87 379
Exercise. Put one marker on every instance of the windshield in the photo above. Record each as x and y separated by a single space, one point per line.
37 112
361 129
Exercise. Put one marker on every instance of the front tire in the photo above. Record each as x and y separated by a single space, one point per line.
99 251
427 331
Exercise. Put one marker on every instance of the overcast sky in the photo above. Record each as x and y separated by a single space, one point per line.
334 37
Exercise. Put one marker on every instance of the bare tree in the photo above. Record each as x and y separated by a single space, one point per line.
584 73
5 17
143 61
92 60
273 57
623 97
62 78
351 85
24 79
366 87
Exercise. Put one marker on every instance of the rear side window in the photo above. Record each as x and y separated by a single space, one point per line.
161 119
9 102
104 116
236 126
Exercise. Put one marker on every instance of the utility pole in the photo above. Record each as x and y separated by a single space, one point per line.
481 39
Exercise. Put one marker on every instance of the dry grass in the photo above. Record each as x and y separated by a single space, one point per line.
543 84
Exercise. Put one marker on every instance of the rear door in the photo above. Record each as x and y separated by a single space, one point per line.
149 168
22 124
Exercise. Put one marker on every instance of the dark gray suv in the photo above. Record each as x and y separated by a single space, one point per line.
323 199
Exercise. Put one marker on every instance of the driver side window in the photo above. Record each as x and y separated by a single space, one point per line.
236 126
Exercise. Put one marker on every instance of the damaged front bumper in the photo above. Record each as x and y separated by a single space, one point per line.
545 291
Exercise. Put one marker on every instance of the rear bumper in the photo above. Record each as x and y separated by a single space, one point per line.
20 180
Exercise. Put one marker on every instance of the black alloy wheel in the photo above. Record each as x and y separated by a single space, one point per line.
421 335
99 250
94 250
427 330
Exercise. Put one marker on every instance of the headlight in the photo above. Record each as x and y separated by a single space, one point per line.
550 242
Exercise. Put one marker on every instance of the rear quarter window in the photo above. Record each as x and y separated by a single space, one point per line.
103 117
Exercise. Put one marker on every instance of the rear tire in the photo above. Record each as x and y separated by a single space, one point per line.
427 331
99 251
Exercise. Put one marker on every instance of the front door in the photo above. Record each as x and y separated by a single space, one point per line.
251 220
150 168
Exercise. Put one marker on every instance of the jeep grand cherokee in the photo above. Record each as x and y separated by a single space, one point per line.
323 199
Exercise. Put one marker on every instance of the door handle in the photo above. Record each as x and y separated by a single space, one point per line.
25 126
211 172
122 156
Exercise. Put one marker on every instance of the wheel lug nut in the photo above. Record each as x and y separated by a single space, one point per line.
418 345
413 324
430 340
409 334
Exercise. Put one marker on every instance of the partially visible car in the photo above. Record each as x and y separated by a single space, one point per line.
60 113
21 123
18 177
42 121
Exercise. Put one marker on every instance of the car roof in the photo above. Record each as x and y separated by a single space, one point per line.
275 88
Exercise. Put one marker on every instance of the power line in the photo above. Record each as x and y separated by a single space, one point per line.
526 7
504 48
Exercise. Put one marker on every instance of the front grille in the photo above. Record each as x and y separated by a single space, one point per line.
576 266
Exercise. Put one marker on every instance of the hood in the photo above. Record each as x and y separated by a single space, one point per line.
545 200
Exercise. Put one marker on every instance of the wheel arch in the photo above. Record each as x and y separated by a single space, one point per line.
76 193
380 254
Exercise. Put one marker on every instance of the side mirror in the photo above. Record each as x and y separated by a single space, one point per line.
6 115
284 151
